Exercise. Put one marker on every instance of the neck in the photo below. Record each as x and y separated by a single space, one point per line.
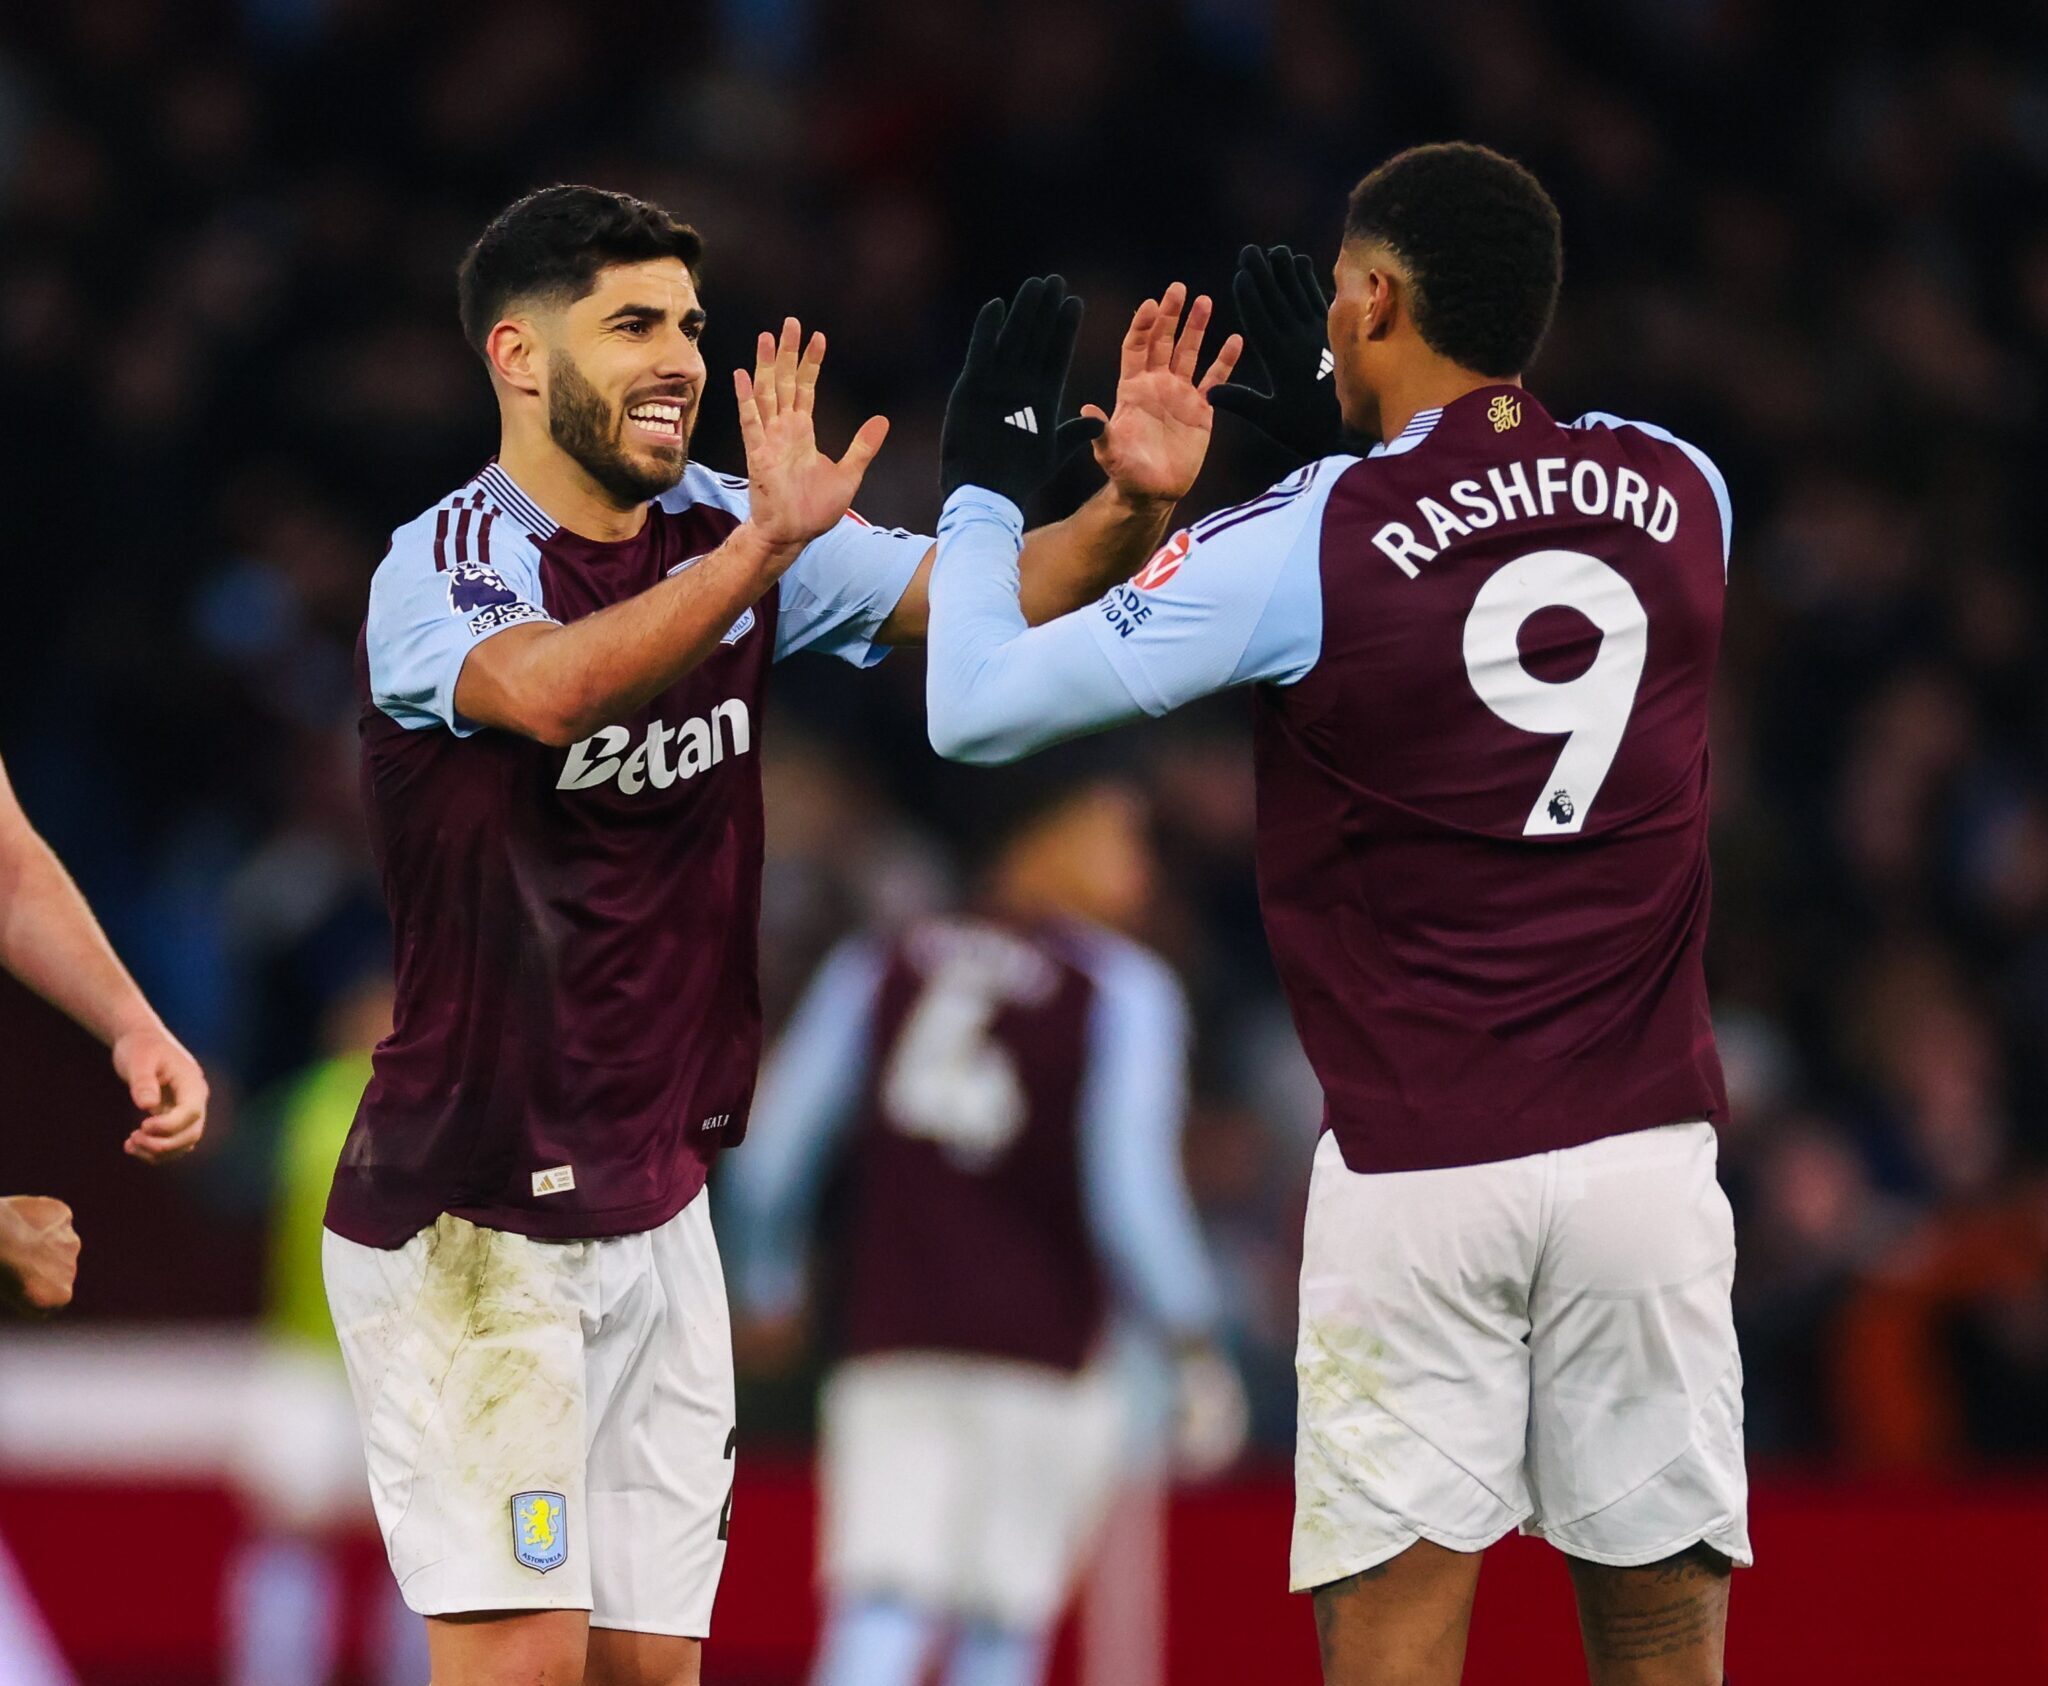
564 490
1428 384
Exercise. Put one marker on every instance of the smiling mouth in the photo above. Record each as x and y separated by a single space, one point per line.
658 419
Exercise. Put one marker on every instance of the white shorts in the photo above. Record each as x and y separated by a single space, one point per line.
1544 1342
966 1485
549 1425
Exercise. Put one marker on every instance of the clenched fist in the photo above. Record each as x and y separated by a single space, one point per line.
38 1252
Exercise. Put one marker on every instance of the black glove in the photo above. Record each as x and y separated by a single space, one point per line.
1001 428
1284 313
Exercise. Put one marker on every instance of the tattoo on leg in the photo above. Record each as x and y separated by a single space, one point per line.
1689 1604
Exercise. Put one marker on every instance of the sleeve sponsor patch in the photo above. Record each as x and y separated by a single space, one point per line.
1165 562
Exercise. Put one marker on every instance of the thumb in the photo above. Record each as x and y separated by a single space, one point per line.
1245 401
865 444
145 1088
1072 435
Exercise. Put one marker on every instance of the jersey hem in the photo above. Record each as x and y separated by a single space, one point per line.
534 1225
1366 1151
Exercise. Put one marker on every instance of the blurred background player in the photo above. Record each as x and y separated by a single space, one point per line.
1484 653
563 675
998 1095
299 1459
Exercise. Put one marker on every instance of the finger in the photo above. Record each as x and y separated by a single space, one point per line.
807 374
1022 321
1286 292
1059 351
1159 351
1227 355
866 442
764 376
164 1125
1131 356
1254 311
988 328
1187 350
785 364
1314 299
1095 412
753 436
1042 343
1255 276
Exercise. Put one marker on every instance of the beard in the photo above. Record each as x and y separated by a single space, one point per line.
585 426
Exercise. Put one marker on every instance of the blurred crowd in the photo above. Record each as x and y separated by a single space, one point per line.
1812 239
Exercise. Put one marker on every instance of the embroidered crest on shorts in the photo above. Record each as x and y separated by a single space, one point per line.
540 1530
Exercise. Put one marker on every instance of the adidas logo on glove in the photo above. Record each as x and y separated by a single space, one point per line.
1026 418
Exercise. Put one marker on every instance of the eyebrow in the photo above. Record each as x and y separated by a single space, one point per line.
694 317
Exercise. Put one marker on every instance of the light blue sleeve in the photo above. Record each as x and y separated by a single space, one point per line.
1233 599
1133 1104
847 582
805 1102
429 608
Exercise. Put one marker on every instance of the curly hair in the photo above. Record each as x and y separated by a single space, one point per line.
553 243
1482 244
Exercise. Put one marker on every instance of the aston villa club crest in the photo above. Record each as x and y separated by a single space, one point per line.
540 1530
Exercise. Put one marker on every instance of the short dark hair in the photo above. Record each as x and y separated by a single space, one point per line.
1483 246
552 245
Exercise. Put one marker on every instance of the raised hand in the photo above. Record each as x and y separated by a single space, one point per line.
1286 318
796 492
1152 446
38 1253
1002 426
166 1083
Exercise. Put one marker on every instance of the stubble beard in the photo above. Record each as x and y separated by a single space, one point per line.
587 428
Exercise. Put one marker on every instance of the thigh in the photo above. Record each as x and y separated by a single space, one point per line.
897 1479
663 1442
1403 1622
1660 1624
621 1658
508 1648
465 1355
1635 1437
1412 1372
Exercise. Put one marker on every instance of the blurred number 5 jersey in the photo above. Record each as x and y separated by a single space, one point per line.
1486 653
578 1019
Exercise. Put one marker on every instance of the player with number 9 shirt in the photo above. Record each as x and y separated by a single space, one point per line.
1481 654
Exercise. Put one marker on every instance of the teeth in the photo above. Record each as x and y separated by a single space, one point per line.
667 414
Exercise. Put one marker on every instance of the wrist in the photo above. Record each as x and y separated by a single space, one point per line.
766 558
1139 508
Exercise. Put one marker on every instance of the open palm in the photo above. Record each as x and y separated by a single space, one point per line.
795 491
1153 445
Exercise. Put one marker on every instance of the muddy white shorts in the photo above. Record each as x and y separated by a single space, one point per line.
549 1425
967 1485
1544 1342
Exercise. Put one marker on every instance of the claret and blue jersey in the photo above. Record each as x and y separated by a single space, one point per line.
577 1021
1481 659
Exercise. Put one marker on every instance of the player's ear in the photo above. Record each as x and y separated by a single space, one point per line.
1384 303
514 352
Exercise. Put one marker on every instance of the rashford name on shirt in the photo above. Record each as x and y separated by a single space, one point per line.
1521 491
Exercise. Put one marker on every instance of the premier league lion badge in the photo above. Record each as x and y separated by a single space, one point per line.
540 1530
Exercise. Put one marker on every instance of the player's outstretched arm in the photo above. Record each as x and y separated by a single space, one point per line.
38 1253
561 683
50 940
1150 445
